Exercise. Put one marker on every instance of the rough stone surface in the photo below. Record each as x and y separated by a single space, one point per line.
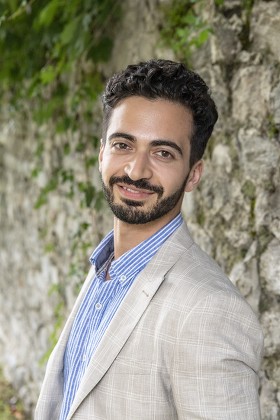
250 94
270 269
271 322
234 214
265 28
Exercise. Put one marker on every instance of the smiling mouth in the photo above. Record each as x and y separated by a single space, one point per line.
129 192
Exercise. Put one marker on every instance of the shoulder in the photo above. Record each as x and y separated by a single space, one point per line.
196 279
194 267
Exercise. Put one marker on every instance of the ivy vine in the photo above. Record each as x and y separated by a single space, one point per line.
51 56
185 29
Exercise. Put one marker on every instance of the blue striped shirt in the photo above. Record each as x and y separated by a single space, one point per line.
101 302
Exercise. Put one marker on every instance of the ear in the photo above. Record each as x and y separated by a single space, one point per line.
100 156
194 176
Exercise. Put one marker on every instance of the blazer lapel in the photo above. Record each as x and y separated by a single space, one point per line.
130 311
58 353
54 373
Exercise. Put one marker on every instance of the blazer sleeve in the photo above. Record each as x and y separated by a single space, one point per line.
216 361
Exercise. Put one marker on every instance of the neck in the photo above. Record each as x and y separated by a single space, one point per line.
128 236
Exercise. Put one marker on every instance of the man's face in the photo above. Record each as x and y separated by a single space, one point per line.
144 160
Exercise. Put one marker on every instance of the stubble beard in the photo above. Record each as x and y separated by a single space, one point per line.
130 211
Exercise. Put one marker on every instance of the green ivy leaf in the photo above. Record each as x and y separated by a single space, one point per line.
48 74
219 2
99 201
92 161
48 13
202 37
69 32
101 51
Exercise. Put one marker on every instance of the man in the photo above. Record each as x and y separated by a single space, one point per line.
158 331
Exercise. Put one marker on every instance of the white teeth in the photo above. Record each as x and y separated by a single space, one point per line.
133 191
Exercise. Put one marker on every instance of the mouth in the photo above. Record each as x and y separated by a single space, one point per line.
134 193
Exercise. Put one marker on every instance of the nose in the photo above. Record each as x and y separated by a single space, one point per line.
138 167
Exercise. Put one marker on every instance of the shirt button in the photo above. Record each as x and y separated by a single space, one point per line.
123 278
84 358
98 306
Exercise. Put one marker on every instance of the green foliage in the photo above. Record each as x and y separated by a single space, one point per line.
184 28
42 40
272 127
51 53
49 56
249 189
249 192
10 407
244 36
219 2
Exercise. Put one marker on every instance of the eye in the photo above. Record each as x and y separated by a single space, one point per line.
164 154
120 146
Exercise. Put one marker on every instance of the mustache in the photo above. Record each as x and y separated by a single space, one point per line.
140 183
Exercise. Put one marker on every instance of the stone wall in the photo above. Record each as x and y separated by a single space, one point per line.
234 215
236 211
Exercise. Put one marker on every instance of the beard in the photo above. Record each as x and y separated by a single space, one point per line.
130 211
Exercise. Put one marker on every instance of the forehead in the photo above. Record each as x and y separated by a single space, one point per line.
151 119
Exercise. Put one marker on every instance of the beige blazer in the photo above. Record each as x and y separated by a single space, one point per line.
183 344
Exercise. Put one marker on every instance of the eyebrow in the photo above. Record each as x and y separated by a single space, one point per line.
122 135
169 143
158 142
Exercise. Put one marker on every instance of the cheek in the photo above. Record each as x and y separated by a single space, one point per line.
172 180
109 167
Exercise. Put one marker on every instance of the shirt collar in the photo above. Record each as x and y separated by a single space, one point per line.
134 260
103 251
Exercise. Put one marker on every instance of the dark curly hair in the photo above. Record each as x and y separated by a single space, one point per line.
169 80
